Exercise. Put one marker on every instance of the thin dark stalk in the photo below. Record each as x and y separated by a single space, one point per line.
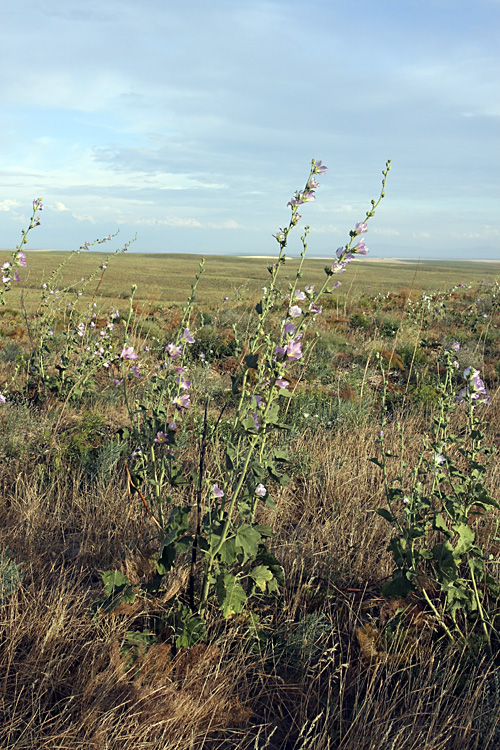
199 489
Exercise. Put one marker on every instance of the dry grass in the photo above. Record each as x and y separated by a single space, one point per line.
330 668
330 665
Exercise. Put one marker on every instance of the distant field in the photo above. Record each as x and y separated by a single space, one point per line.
166 279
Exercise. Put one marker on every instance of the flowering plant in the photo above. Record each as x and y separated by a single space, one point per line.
18 259
432 506
211 515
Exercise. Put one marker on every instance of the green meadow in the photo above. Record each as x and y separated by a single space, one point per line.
165 279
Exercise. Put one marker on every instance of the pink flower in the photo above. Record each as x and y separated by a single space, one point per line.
217 491
161 438
289 329
308 195
302 197
315 309
361 248
294 350
280 383
300 296
294 311
339 267
2 399
181 402
128 353
361 227
21 258
312 183
173 351
188 336
260 490
319 168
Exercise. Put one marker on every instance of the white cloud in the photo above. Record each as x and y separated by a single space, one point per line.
187 222
385 232
486 233
85 217
58 206
8 205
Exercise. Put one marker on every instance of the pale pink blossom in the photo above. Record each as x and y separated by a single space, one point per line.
128 353
361 227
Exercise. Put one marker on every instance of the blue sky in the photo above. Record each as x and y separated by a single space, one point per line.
193 123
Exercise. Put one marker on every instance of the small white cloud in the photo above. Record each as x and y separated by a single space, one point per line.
421 235
487 233
388 232
58 206
229 224
170 221
8 205
327 229
84 217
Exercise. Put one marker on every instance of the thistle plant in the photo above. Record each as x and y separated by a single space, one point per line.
432 508
209 514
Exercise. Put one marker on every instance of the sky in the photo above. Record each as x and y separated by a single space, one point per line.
192 124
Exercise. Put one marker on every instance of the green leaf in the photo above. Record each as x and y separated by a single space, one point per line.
377 462
269 502
115 581
117 590
248 424
252 361
247 541
400 586
444 562
231 594
440 525
281 456
386 514
279 477
190 628
465 539
227 553
273 414
261 575
270 561
264 529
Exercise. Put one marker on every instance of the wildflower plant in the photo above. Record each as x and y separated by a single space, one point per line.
432 508
210 516
64 361
18 260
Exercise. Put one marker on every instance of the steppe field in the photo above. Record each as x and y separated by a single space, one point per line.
246 516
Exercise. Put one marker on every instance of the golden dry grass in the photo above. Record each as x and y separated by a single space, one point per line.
325 676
